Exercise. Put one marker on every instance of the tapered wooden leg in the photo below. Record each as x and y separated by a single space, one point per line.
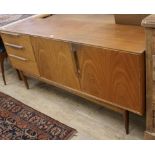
24 79
2 70
18 73
126 121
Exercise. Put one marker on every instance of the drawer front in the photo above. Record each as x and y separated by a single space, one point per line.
24 64
15 38
18 45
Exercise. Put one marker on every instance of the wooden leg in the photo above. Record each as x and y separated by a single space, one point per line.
126 121
2 70
24 79
18 73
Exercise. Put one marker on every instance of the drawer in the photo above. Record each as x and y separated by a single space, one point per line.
15 38
24 64
18 45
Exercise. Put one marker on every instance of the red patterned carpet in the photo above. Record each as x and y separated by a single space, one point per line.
20 122
9 18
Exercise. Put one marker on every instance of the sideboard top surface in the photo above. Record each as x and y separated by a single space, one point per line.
96 30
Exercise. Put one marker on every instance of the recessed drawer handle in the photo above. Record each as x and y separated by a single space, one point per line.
75 59
13 34
17 57
13 45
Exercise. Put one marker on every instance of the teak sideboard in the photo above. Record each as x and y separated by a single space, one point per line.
102 62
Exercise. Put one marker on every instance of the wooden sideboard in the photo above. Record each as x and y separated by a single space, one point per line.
100 61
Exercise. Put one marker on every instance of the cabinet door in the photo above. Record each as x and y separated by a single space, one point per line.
113 76
55 61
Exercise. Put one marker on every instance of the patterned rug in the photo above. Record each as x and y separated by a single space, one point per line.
9 18
20 122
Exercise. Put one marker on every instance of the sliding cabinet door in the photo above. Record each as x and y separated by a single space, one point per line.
113 76
55 61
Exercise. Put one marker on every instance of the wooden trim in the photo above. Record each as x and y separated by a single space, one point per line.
11 33
149 21
149 78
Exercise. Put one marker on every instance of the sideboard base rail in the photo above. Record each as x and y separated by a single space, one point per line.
124 113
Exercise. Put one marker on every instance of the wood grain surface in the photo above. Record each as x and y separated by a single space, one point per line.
21 58
130 19
98 59
113 76
55 61
149 24
18 40
96 30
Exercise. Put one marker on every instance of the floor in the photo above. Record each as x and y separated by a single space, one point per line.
90 120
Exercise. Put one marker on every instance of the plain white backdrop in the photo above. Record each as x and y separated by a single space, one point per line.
77 147
77 6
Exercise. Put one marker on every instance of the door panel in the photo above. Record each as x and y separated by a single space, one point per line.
55 61
113 76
